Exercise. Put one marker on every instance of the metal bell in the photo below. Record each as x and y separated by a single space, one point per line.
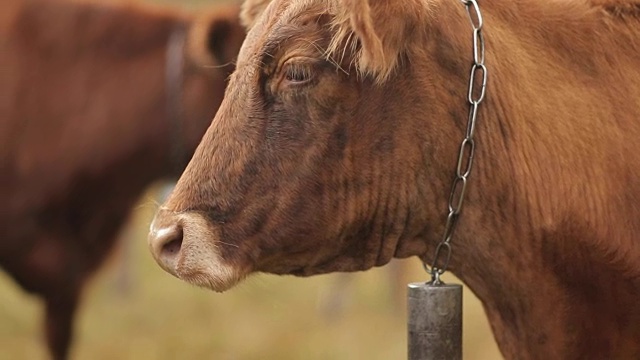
435 321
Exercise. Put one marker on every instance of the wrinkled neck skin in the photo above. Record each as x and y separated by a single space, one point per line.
539 238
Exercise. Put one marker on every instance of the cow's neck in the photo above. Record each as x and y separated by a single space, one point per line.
146 144
138 130
158 77
130 137
174 82
527 243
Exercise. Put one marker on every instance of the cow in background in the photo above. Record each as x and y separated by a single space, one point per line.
97 103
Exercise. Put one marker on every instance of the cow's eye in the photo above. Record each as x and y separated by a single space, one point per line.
297 74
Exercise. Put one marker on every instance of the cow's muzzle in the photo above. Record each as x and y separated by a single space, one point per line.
186 245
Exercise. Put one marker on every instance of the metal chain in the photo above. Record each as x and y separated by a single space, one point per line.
467 147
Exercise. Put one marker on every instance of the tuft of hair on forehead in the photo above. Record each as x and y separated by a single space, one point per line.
375 34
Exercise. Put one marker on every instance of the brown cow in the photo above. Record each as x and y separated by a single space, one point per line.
98 102
333 151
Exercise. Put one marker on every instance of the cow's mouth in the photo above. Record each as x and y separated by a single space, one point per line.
184 245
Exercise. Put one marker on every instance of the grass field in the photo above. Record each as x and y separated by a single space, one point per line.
151 316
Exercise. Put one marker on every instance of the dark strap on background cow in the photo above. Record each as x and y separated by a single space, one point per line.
174 81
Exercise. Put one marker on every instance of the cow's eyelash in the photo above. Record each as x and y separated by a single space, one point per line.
297 73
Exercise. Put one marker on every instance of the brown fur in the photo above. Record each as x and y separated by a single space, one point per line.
309 168
85 129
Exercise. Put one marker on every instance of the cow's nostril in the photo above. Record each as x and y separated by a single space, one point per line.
165 244
172 248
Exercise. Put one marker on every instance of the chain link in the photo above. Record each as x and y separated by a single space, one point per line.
475 96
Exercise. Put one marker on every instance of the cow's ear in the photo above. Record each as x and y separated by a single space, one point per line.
215 38
251 10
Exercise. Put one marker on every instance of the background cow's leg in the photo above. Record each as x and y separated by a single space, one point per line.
59 314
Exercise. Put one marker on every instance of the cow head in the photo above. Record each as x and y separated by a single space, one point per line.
321 156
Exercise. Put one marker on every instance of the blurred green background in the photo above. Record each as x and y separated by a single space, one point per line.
134 310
